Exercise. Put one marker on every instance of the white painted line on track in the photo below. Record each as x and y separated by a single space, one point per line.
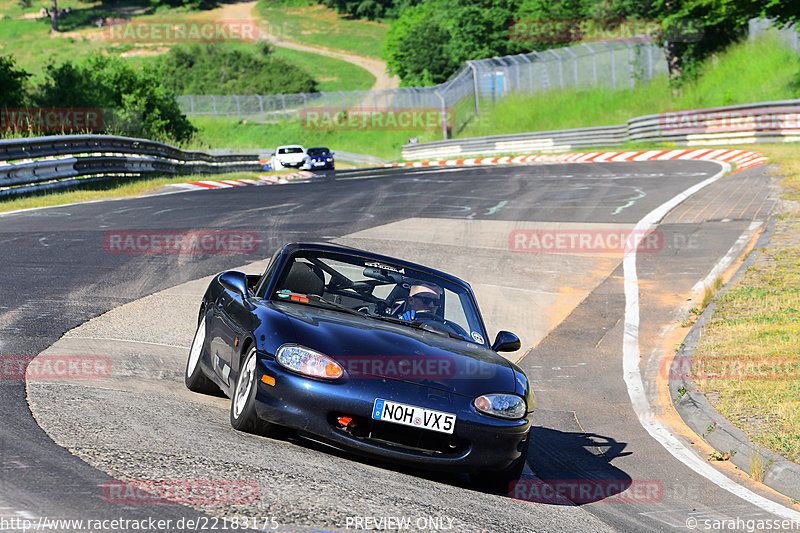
729 258
633 377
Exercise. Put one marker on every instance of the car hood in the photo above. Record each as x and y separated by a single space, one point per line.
371 349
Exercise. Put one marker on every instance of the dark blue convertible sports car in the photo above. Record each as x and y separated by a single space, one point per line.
368 353
320 158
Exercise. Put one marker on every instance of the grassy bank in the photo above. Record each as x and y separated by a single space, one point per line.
29 40
111 189
769 74
755 332
223 133
317 25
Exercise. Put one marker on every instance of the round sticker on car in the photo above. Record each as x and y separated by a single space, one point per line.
477 337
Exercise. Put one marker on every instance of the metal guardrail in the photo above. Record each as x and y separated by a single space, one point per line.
38 163
764 122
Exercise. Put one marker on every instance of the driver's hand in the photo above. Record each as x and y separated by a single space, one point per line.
408 315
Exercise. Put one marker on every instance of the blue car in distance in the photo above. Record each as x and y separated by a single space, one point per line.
371 354
320 157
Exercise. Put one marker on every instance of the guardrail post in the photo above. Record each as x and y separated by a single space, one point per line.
574 63
560 68
191 104
444 116
613 66
594 62
261 108
530 70
238 107
283 101
214 102
631 64
475 85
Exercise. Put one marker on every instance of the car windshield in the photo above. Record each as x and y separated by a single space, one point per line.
380 290
318 151
290 151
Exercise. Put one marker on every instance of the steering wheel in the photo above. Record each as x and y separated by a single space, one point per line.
427 316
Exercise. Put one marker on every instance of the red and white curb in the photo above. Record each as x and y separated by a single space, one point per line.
741 158
262 180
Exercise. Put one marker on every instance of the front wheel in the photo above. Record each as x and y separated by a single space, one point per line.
194 378
243 408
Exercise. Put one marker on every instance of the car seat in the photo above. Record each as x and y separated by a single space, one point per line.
304 278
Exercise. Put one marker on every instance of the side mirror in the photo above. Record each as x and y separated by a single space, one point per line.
506 342
235 281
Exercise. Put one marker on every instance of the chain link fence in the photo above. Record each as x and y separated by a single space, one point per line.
788 35
614 64
621 63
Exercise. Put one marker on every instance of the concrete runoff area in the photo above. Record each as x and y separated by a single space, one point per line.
141 423
584 426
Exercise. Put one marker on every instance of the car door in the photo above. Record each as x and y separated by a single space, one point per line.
225 329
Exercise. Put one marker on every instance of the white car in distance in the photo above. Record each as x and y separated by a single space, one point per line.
290 156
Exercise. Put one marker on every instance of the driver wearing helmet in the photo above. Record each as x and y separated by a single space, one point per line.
423 297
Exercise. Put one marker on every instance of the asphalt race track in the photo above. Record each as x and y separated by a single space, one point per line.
478 223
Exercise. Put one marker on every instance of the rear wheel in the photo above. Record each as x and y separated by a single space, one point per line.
243 408
193 377
501 480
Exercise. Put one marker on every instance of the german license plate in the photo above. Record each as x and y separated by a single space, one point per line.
411 415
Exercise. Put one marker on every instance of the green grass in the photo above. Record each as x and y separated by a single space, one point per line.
770 70
331 74
222 133
758 320
318 25
114 188
32 45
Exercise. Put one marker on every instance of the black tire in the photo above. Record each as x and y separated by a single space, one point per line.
194 378
500 481
243 408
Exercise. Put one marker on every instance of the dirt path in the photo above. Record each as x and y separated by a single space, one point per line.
376 67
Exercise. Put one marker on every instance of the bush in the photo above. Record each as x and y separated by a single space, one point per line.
133 102
218 69
13 83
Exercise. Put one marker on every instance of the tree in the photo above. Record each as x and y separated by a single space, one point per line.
695 29
133 102
416 47
13 83
54 15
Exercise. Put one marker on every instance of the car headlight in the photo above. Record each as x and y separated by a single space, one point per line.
508 406
308 362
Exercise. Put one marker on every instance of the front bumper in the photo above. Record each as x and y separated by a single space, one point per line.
321 164
313 407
